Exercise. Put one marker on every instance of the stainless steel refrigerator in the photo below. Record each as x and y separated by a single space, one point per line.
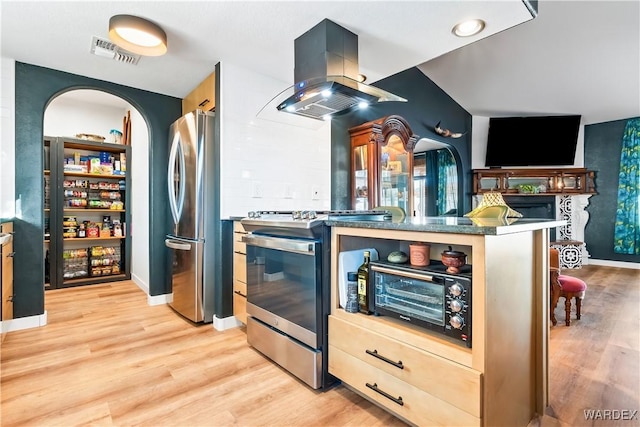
193 186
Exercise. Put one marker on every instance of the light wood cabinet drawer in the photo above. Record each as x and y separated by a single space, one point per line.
441 378
238 245
399 397
238 227
240 287
240 307
238 233
6 252
240 267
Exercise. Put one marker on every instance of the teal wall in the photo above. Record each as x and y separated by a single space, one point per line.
35 87
427 105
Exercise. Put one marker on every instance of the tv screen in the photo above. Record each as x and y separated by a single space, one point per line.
532 141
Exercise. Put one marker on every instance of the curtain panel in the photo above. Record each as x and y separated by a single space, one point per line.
627 224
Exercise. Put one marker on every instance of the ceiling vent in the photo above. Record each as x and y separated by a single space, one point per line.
107 49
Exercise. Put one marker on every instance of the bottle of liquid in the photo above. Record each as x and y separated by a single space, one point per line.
352 292
363 285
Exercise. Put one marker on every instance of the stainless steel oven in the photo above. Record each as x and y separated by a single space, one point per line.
287 293
288 299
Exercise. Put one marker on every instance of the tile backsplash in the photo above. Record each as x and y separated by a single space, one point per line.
268 164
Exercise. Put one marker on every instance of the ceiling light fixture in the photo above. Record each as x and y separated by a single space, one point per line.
468 28
137 35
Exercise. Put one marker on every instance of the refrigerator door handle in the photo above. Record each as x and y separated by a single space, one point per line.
174 244
176 201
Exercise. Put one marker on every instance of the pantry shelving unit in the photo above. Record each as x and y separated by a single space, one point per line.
81 194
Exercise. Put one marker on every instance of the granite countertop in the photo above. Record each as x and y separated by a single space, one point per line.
458 225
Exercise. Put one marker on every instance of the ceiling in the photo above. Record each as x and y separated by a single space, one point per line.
576 57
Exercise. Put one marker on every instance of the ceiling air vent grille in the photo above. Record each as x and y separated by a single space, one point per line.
107 49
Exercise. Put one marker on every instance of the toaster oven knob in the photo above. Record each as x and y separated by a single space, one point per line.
456 321
455 305
456 289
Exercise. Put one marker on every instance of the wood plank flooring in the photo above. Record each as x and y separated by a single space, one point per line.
107 358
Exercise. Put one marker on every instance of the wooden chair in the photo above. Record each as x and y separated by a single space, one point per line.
564 286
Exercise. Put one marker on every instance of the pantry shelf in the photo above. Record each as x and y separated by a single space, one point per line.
86 212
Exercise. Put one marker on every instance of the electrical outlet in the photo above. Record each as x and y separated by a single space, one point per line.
256 190
315 193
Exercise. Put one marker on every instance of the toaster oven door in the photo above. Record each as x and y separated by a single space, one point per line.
411 296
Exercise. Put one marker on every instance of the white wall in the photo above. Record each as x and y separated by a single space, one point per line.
282 164
70 114
479 144
7 138
66 116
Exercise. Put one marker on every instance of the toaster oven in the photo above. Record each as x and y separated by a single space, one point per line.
424 296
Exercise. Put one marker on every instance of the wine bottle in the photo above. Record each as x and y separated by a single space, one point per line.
363 285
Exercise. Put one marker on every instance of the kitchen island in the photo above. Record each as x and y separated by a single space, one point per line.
427 378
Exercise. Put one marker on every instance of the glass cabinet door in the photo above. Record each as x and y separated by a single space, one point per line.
395 175
360 178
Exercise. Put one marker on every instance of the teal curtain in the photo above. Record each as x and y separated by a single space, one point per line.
627 225
447 182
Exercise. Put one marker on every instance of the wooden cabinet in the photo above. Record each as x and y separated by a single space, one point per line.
7 273
410 377
426 378
534 181
382 164
86 212
239 273
203 97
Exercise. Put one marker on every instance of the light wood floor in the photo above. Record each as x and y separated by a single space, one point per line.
107 358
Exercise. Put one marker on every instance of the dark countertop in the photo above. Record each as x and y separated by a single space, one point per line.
457 225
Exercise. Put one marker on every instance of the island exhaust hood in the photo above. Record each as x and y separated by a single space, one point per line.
326 73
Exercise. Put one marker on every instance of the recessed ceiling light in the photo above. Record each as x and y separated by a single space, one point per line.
137 35
468 28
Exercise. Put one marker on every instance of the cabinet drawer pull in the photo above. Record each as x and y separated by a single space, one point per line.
397 364
375 388
11 254
203 103
240 293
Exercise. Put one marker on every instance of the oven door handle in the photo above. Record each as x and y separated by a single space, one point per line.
303 247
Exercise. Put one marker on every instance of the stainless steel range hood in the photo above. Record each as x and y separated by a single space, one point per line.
326 74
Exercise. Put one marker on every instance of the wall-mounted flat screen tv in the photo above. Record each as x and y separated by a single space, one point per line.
532 141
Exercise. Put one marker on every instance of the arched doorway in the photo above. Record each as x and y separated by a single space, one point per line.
89 111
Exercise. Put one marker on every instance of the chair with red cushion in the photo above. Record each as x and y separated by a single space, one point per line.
565 286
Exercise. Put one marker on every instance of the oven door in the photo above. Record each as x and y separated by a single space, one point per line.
284 285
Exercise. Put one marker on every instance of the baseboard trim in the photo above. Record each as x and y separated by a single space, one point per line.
619 264
159 299
23 323
221 324
141 283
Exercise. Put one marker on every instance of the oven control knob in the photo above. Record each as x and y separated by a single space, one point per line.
296 215
456 321
305 214
456 305
313 215
456 289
